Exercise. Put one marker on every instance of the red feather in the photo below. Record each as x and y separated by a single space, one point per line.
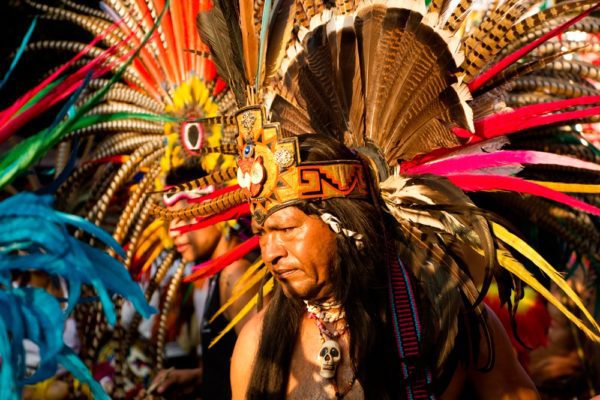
535 115
480 182
212 267
233 213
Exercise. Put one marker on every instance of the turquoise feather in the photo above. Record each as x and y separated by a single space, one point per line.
264 28
19 53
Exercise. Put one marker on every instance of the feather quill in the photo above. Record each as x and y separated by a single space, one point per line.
278 37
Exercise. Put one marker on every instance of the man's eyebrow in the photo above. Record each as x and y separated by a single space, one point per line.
256 227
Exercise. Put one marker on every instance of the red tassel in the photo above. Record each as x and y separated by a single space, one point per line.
212 267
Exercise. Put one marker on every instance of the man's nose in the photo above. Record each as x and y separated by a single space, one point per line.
271 248
173 224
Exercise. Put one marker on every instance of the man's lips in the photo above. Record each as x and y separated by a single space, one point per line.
284 273
181 247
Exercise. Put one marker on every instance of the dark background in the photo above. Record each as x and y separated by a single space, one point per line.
15 19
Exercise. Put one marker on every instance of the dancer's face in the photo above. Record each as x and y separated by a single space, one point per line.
194 245
300 251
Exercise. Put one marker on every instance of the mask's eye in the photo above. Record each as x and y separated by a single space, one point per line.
248 151
192 137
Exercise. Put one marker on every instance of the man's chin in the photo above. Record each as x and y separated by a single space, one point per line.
297 291
188 256
291 291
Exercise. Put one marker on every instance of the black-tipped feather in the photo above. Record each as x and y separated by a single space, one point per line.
220 30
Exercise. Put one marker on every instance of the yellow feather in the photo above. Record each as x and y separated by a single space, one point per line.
238 291
570 187
149 237
155 252
151 229
247 274
515 267
243 312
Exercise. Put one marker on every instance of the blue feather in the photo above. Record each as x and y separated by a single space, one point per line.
9 313
30 206
120 281
7 389
29 224
70 361
19 53
44 309
93 230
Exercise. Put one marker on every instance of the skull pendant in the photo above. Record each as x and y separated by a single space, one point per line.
329 357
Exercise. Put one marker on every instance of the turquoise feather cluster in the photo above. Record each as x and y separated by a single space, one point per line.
34 236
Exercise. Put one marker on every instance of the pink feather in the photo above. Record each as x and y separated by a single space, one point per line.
12 110
60 92
471 162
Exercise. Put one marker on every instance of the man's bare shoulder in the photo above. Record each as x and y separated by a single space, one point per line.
252 329
244 355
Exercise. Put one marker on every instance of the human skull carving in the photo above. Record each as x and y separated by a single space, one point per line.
329 357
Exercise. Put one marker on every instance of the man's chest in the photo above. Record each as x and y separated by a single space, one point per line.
306 381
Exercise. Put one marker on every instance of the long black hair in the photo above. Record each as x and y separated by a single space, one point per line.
360 278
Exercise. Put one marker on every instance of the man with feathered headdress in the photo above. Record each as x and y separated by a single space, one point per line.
353 155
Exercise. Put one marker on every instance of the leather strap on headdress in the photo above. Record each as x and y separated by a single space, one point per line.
407 327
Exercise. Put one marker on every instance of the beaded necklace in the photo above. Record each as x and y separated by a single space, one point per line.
331 313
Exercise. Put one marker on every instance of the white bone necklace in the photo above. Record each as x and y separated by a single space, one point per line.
326 312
